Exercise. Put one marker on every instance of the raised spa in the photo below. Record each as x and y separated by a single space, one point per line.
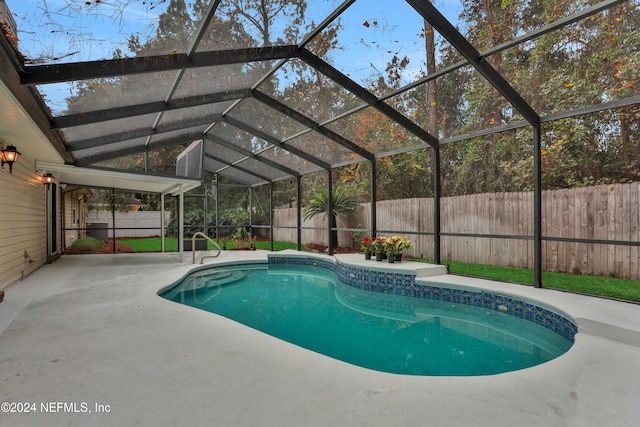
385 321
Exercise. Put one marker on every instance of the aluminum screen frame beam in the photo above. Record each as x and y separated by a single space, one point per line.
177 140
240 168
311 124
275 141
334 74
249 154
141 132
59 73
511 43
466 49
116 113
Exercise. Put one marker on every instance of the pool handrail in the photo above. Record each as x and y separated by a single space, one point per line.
193 247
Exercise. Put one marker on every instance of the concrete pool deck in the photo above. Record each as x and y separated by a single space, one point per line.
89 332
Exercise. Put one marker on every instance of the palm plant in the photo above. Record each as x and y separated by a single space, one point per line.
344 203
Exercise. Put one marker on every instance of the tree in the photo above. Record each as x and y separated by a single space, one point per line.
580 65
261 14
344 203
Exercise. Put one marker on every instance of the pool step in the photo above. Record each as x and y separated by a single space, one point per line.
430 270
420 269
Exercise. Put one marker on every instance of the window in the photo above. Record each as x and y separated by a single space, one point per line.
74 210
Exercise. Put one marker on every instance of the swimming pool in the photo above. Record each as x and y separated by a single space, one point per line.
307 304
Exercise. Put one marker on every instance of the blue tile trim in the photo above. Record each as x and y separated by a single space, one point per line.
405 284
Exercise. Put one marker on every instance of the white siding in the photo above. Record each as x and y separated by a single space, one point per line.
22 222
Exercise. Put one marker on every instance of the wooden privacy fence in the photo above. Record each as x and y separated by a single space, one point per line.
480 228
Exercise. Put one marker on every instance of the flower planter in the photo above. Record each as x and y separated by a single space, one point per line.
367 255
201 245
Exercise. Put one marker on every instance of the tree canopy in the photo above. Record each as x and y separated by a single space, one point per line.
589 62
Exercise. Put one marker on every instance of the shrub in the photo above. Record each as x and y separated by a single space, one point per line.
87 243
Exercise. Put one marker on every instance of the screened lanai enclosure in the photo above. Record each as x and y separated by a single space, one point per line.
489 132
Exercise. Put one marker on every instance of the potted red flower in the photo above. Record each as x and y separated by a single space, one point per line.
366 244
379 247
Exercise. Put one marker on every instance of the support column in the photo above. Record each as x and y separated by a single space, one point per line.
299 210
537 206
214 190
113 217
271 215
330 210
162 223
373 218
205 220
181 224
437 189
250 211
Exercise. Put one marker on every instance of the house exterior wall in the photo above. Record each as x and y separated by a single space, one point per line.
70 236
23 242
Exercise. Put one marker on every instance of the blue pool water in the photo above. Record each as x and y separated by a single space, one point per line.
390 333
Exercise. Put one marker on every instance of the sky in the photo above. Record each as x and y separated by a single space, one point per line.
55 28
69 31
72 30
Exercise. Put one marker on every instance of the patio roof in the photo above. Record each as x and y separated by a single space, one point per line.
96 178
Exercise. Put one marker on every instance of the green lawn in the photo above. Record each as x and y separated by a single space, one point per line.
153 244
593 285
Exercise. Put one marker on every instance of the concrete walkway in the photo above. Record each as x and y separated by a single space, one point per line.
88 340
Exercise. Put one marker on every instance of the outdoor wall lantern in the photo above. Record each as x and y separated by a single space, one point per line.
9 155
48 179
